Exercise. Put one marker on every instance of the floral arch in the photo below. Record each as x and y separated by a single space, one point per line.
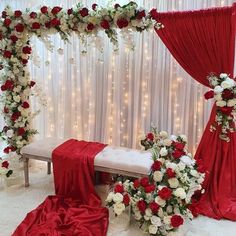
16 30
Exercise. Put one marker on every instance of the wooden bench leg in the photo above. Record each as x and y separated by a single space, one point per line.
26 171
49 168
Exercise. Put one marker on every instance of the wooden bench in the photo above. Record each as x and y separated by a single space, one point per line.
115 160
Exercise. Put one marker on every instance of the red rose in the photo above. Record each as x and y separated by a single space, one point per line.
83 12
70 11
25 105
94 6
119 188
7 149
209 94
9 85
226 110
116 5
170 173
7 22
55 22
48 24
6 110
90 26
122 23
150 188
165 193
154 14
141 14
18 13
105 24
21 131
5 164
35 25
13 38
156 165
154 207
142 206
15 115
26 50
19 27
136 183
56 10
7 54
33 15
177 154
44 9
176 221
178 145
144 182
126 199
150 136
32 83
227 94
24 61
3 88
4 14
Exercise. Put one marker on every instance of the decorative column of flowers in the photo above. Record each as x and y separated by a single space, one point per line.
16 29
224 93
162 201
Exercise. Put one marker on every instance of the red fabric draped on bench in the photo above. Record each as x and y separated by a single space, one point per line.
203 42
76 209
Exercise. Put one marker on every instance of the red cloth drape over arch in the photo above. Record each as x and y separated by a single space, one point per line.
202 42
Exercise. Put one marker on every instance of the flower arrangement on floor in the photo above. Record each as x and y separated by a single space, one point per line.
162 201
4 168
224 93
16 30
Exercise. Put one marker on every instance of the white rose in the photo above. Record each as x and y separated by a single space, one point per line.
179 192
218 97
231 103
167 220
183 137
119 208
173 182
163 151
221 103
152 229
16 98
163 134
230 81
186 160
226 84
118 197
160 201
148 212
167 142
194 173
223 75
157 176
173 137
10 133
137 215
156 220
218 89
171 165
110 197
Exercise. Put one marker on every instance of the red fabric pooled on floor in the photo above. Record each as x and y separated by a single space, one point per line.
76 208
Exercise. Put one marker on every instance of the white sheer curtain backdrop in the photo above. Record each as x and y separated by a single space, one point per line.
114 98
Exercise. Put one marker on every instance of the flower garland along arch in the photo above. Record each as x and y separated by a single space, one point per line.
16 30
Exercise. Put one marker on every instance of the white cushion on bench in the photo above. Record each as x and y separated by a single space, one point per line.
118 158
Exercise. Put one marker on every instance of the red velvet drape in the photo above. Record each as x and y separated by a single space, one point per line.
203 42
